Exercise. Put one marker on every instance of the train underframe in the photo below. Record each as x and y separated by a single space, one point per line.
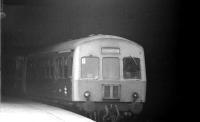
109 111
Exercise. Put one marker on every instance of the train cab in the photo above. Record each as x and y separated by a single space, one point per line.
109 69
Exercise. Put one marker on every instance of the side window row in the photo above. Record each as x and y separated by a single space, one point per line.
49 68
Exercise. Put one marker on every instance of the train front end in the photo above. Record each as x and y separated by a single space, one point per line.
109 77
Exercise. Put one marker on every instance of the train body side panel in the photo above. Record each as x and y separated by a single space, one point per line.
43 81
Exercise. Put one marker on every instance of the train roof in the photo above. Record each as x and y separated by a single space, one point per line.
72 44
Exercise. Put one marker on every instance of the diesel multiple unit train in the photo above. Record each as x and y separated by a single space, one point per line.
94 74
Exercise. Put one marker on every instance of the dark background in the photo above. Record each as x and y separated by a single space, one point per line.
155 24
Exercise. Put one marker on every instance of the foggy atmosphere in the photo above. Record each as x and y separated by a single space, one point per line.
31 25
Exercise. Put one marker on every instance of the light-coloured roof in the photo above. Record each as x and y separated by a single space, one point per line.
72 44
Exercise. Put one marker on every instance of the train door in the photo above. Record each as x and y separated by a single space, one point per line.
68 76
63 75
20 74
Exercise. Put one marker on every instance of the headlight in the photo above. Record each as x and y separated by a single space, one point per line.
87 94
135 96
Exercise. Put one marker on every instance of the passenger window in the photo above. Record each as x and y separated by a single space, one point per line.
51 68
111 68
90 67
131 68
59 68
65 68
